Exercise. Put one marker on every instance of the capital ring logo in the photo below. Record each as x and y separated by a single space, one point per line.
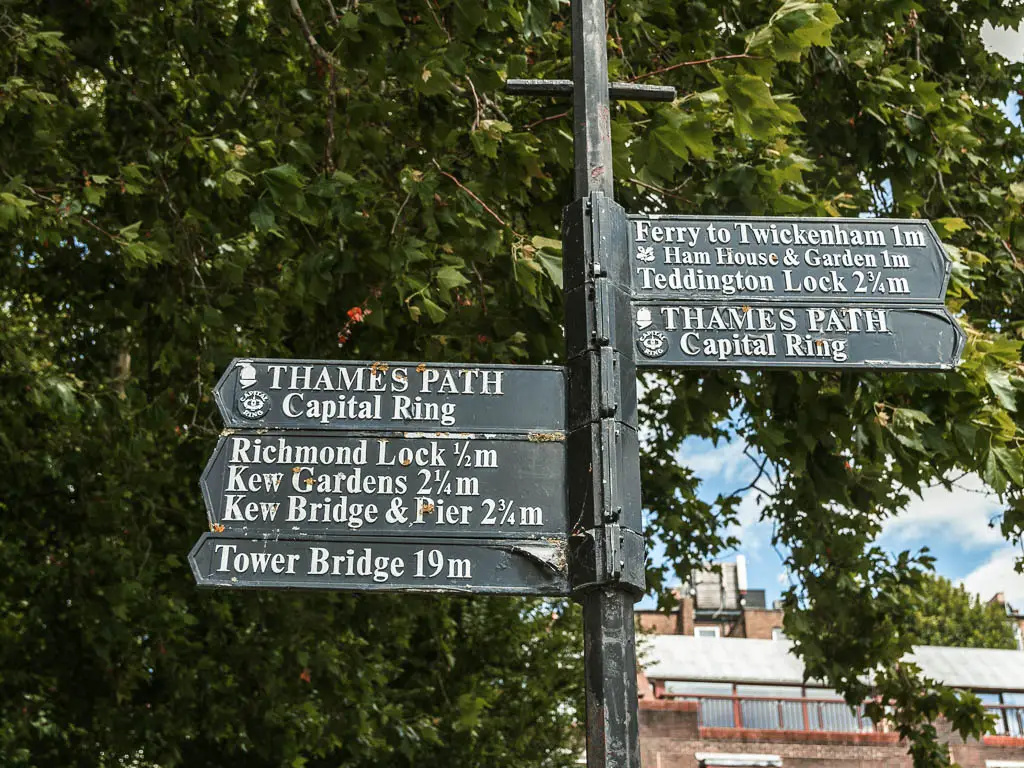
254 404
653 343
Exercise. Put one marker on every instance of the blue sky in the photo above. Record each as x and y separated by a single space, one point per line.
956 526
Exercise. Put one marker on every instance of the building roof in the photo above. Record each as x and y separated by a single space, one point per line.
989 668
719 659
739 660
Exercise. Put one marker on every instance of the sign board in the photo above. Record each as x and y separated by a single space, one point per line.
732 335
426 397
387 477
842 261
358 484
489 566
738 292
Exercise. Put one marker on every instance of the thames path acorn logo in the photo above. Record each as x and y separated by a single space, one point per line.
651 342
255 403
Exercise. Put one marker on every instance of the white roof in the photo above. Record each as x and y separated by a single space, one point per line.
738 660
718 659
990 668
710 759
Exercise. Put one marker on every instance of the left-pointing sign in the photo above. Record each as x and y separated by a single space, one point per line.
483 566
423 397
315 484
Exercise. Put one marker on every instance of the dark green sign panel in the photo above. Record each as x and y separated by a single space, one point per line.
798 336
846 261
378 564
740 292
424 397
314 484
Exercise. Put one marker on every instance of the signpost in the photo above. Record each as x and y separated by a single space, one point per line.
790 293
387 476
461 478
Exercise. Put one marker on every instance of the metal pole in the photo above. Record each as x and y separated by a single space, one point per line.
606 548
592 132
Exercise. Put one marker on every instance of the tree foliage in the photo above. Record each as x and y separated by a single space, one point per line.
951 616
325 179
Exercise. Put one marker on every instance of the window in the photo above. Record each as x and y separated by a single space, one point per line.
832 713
706 631
771 707
1013 713
716 704
713 760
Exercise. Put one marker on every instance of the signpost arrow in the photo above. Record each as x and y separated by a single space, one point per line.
763 335
712 292
357 484
736 258
427 397
382 564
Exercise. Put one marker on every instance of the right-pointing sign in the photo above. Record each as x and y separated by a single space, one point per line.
790 293
874 261
819 336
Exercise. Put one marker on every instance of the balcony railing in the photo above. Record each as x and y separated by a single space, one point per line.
813 714
1009 719
778 714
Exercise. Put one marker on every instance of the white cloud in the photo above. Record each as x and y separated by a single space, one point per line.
755 535
962 515
750 508
997 575
725 462
1003 40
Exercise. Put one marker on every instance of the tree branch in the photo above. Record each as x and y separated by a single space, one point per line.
330 9
470 192
437 20
330 62
476 101
535 123
691 64
332 101
1005 244
323 54
657 189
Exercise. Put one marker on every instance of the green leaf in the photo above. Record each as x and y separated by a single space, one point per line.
262 216
434 312
449 278
951 225
540 242
1003 387
387 12
672 139
552 265
699 139
131 232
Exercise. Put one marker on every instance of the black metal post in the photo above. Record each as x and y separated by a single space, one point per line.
606 545
592 137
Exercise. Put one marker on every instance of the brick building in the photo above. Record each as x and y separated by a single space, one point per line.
731 701
717 603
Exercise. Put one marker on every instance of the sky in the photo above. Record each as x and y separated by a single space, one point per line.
959 527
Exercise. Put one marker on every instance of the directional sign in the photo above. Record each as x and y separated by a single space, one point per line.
733 335
359 484
424 397
483 566
736 292
846 261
